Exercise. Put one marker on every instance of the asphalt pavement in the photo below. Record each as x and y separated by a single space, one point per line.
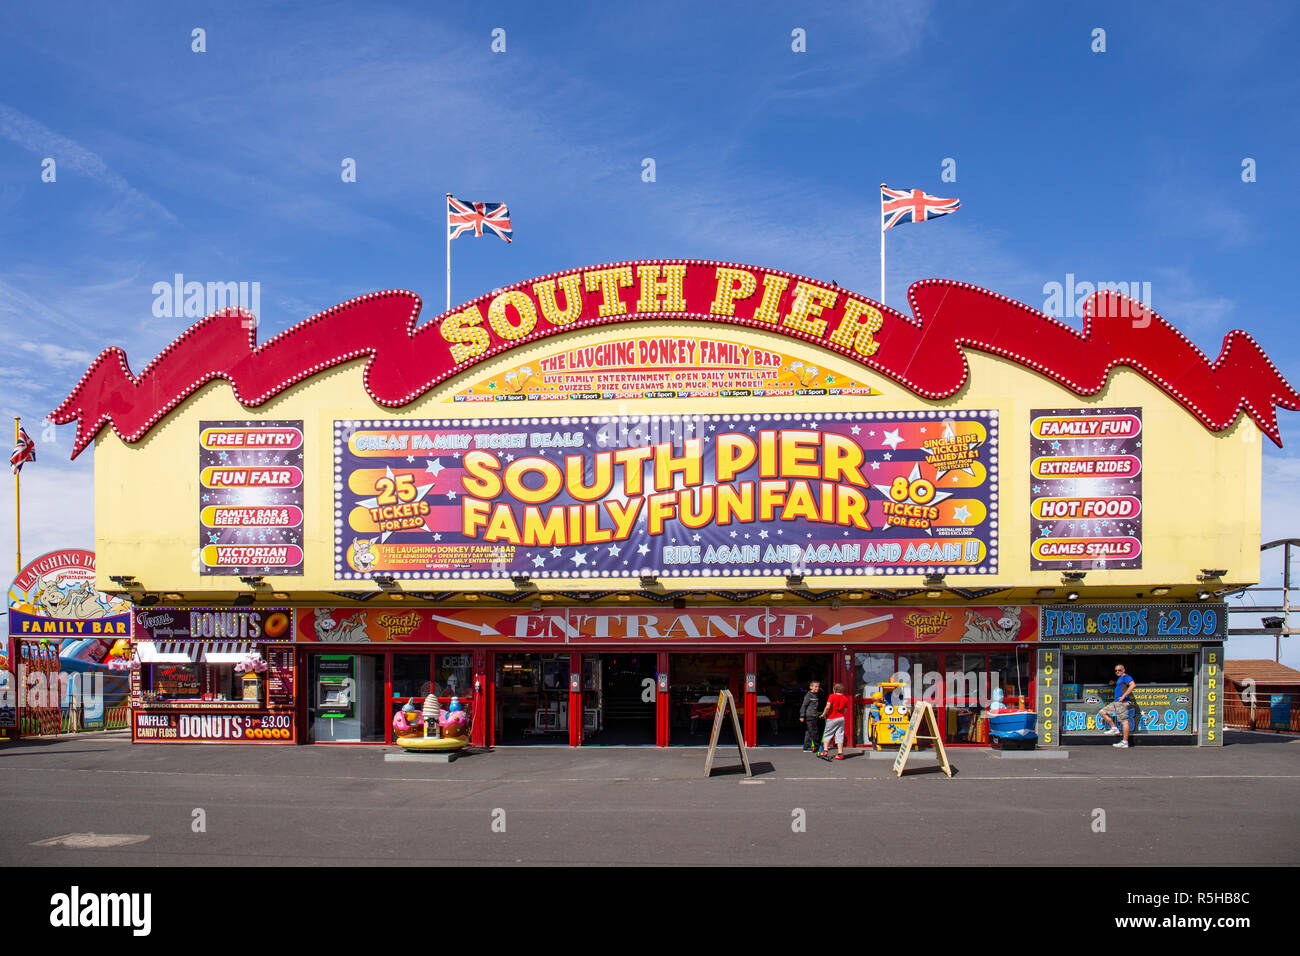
99 800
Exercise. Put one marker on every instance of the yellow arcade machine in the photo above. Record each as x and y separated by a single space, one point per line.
888 716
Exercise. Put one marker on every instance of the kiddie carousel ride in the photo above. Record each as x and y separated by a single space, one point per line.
432 730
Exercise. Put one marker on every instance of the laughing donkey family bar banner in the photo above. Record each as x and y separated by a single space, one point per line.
716 495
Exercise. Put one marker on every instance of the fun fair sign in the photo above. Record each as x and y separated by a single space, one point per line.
924 352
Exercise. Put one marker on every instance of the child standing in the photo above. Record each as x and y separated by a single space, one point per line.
837 709
812 702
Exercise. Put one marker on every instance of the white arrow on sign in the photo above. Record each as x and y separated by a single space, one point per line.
484 629
841 628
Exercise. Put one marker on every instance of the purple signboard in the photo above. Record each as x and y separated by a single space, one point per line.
1086 489
250 498
716 495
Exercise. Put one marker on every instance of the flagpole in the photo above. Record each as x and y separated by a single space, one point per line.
18 505
446 228
882 244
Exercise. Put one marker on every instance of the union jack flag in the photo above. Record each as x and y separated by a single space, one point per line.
911 205
464 216
24 450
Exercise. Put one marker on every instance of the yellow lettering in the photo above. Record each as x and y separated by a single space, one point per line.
858 335
809 300
571 286
501 325
733 284
464 330
669 288
773 286
610 281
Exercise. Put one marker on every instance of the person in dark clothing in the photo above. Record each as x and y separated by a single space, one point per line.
808 712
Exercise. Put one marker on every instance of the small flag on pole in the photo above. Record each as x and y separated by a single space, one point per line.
24 451
911 205
464 216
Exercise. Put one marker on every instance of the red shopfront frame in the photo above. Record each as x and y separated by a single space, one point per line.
482 700
749 631
474 700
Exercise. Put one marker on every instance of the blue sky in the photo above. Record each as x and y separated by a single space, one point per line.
225 165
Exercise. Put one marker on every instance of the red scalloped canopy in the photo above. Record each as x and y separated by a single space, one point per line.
924 352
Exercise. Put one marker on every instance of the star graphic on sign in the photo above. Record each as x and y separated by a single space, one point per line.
893 439
752 429
1056 446
888 456
555 552
855 430
762 534
613 551
410 459
875 466
539 561
695 537
961 514
579 558
509 457
643 549
433 467
1045 531
733 534
451 495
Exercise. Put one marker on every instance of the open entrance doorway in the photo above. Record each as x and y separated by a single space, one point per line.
618 699
783 680
531 699
695 680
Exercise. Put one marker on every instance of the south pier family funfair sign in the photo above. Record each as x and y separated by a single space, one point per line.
712 495
845 489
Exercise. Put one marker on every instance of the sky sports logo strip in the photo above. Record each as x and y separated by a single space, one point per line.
75 909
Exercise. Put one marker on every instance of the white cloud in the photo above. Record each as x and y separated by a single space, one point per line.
68 155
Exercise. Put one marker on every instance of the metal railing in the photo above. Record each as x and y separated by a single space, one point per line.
1275 712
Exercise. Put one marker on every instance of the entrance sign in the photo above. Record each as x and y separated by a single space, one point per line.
726 703
924 353
809 626
703 495
923 711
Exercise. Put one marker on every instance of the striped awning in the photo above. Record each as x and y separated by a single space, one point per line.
228 652
192 652
167 652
